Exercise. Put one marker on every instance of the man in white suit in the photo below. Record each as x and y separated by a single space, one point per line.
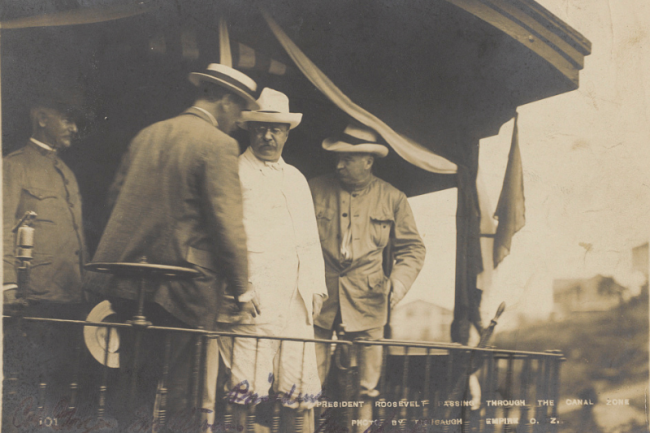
286 269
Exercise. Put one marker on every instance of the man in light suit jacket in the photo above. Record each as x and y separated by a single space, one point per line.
179 204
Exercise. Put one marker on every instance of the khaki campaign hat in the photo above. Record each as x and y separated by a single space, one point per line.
356 139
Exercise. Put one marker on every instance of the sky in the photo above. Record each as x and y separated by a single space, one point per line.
586 159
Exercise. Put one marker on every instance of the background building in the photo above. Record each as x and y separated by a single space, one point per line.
421 321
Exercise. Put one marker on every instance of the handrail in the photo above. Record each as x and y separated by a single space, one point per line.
394 343
456 347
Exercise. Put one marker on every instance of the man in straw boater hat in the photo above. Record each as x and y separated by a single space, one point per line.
286 273
359 217
179 204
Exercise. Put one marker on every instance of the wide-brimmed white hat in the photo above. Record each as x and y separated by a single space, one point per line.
233 80
356 139
274 108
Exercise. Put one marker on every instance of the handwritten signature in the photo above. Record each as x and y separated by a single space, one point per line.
241 393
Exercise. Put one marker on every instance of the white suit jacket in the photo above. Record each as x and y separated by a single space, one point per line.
283 245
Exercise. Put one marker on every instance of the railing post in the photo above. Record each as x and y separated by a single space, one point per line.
250 418
162 409
103 387
299 418
74 383
525 388
351 378
465 414
508 394
277 405
405 389
383 390
492 383
540 394
275 420
554 385
228 417
196 372
427 386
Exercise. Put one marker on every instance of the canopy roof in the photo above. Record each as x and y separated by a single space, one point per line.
445 73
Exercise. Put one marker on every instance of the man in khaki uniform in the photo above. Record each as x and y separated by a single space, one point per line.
359 217
36 179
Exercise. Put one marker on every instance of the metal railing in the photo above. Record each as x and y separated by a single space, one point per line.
423 387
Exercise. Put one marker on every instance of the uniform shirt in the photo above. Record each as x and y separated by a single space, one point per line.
284 253
375 218
36 179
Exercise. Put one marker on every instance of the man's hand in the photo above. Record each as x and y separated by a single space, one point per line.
398 291
249 302
317 304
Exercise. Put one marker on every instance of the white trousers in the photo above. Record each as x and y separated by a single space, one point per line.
257 364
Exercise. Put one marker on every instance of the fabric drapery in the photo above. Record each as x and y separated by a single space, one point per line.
510 211
488 229
406 148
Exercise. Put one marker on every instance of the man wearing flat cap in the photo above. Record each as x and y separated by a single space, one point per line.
286 273
371 246
36 179
179 203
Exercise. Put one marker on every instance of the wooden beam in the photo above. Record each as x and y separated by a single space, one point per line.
539 29
543 15
514 22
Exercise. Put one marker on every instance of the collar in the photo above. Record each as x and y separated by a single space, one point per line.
42 145
259 164
206 113
359 189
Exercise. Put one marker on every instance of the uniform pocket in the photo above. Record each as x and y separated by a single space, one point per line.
40 274
40 193
325 220
381 224
376 281
42 201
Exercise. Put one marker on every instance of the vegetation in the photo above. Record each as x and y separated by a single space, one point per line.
605 351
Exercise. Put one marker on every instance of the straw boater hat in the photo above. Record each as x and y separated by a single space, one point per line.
356 139
95 336
274 108
233 80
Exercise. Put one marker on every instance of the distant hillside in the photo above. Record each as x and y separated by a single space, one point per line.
608 345
606 351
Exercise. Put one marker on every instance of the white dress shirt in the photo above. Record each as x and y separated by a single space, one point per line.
284 253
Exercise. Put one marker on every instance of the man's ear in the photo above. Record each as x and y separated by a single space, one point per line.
231 101
41 117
